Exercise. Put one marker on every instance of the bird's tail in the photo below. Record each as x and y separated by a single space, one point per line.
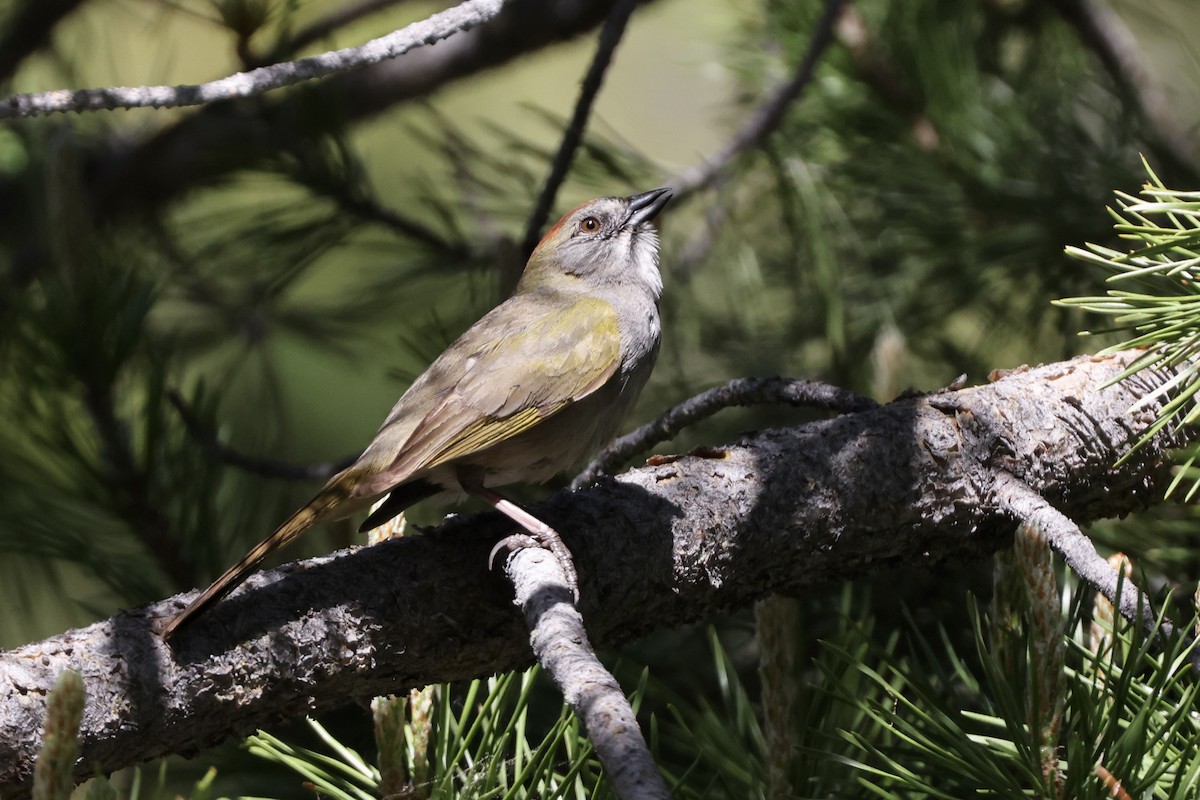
330 502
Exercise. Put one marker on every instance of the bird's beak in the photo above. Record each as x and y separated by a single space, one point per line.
645 207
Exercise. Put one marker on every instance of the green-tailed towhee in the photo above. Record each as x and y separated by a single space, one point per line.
532 388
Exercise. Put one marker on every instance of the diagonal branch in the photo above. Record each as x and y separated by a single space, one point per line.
1102 30
610 37
766 118
560 643
462 17
1065 537
208 145
912 482
327 25
737 392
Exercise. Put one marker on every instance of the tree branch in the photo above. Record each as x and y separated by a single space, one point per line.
1065 537
560 644
610 37
912 483
222 453
218 140
737 392
1102 30
327 25
767 117
462 17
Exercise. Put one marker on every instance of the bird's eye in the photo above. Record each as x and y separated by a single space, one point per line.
589 225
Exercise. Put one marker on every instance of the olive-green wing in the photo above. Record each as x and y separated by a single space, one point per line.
517 366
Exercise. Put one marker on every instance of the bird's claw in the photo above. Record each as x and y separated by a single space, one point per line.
552 543
518 541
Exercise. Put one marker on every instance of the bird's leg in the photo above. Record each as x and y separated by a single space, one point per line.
540 534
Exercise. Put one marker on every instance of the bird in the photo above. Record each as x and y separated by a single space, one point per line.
534 387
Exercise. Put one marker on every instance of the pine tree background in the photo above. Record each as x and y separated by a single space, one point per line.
905 224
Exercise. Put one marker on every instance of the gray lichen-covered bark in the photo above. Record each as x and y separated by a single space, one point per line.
910 483
219 140
560 643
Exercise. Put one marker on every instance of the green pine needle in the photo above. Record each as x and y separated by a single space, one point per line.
1155 299
485 746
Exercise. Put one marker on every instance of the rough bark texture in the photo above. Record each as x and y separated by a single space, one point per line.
560 644
909 483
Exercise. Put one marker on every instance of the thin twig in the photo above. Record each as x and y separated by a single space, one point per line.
1065 537
268 468
1112 784
610 37
737 392
144 175
257 81
356 198
766 117
560 643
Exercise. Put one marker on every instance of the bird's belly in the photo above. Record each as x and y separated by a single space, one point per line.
550 447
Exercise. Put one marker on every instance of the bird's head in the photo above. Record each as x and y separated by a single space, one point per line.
603 242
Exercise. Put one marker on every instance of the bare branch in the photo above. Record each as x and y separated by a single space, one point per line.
130 177
360 203
910 484
1028 507
610 37
560 643
737 392
462 17
766 118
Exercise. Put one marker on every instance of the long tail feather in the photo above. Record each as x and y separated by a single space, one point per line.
317 510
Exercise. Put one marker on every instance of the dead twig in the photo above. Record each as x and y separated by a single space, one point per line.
737 392
257 81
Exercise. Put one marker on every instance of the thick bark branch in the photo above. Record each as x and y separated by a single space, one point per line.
909 483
